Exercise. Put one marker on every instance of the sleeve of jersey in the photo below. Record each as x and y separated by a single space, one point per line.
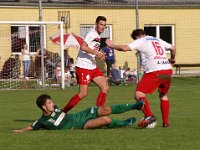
135 44
88 38
36 125
166 45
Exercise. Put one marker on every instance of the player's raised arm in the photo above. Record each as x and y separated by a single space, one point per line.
29 128
118 47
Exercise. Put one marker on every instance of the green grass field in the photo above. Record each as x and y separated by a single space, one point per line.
18 109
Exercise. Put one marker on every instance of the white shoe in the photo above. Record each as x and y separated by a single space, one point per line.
26 78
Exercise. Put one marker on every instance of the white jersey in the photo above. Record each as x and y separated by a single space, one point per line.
84 59
152 53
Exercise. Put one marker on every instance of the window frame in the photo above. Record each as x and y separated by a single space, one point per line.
158 29
27 37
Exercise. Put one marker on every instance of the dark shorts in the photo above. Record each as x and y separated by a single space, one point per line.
84 116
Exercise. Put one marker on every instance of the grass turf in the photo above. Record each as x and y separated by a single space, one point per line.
18 110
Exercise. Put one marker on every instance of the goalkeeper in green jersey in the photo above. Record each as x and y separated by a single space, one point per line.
54 118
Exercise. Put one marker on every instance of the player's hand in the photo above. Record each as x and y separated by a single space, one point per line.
101 56
109 43
102 52
18 131
172 61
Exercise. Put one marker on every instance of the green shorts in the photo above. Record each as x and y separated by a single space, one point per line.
85 115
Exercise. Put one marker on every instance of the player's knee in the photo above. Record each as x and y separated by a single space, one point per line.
83 94
163 96
106 120
104 110
139 94
105 89
135 98
107 109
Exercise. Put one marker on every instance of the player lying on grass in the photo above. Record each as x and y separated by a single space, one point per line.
95 117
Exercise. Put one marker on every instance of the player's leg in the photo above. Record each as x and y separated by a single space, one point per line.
83 79
97 123
107 121
83 91
140 96
102 83
147 84
149 120
118 109
164 100
164 107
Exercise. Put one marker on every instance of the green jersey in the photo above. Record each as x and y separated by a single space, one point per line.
55 121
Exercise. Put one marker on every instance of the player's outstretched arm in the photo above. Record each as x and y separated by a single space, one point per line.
29 128
117 47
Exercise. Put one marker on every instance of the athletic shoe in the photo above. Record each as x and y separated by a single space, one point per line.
130 121
148 122
166 125
138 105
26 78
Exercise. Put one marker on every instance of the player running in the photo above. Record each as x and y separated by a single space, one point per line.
157 72
95 117
86 69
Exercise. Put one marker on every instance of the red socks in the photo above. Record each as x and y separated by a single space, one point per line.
73 101
146 109
101 99
164 106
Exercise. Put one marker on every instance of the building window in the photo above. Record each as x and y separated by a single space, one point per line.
165 32
84 29
21 34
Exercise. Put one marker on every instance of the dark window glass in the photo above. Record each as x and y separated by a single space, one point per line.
151 31
18 38
166 33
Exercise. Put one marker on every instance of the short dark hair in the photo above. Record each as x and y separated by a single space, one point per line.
41 100
137 32
100 18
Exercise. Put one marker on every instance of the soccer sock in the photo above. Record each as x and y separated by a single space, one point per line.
146 109
73 101
121 108
164 106
101 99
118 123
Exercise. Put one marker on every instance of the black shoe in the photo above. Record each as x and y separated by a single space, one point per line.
148 122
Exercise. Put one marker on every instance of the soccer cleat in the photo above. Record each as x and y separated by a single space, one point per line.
166 125
130 121
148 122
138 105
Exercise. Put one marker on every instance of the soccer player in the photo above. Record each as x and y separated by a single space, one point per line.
95 117
157 74
86 69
